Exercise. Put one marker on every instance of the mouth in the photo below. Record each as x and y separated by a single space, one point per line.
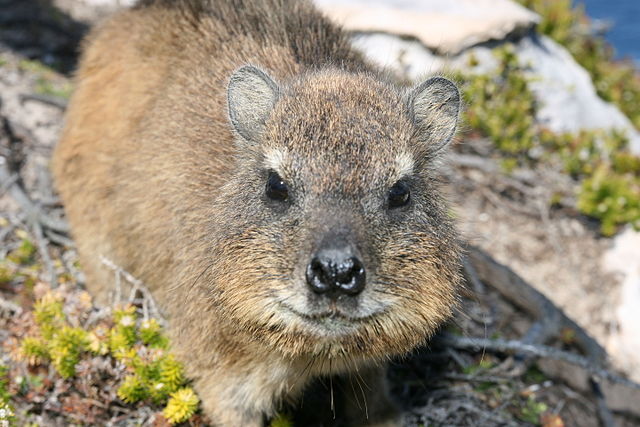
332 318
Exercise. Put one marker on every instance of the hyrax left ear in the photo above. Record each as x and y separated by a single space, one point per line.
251 96
434 107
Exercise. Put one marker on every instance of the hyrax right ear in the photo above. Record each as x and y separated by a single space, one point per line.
434 107
251 96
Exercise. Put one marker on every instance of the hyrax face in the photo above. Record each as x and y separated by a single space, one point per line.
335 239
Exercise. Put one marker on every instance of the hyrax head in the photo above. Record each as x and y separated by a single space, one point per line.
334 239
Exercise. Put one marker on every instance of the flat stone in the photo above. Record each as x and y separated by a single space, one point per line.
446 27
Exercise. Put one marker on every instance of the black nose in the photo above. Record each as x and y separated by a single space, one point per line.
336 272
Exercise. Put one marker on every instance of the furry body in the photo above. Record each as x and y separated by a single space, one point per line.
155 177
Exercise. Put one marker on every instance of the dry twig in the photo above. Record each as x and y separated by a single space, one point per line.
606 417
43 249
507 346
33 212
54 101
137 285
550 320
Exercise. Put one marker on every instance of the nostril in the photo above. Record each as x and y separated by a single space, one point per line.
353 277
319 276
344 276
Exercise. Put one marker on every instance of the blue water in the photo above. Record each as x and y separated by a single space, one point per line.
625 17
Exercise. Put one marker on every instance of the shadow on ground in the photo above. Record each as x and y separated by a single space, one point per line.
38 30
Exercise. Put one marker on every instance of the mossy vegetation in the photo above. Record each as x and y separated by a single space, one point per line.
532 411
57 334
58 90
20 266
47 81
281 420
613 198
63 339
6 409
502 108
153 375
24 254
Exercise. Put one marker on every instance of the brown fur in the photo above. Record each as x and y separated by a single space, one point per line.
154 177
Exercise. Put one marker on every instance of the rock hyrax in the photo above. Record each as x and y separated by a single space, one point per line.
274 191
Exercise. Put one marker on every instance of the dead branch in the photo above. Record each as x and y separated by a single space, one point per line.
475 378
498 202
473 162
54 101
137 285
550 320
8 183
12 180
59 239
471 276
542 351
520 180
33 212
43 249
606 417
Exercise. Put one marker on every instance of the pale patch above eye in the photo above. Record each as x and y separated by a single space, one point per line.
274 159
404 165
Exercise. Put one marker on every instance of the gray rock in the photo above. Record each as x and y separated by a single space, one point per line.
566 93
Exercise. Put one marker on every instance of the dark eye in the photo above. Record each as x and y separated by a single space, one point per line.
399 195
276 188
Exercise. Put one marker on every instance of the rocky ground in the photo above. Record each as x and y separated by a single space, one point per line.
453 382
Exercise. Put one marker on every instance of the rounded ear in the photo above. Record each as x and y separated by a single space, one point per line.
434 107
251 95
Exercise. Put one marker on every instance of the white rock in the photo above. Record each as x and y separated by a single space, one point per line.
447 27
91 11
409 58
569 101
624 259
113 3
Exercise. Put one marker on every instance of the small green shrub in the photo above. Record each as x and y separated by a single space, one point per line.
154 375
181 406
612 198
48 87
610 175
281 420
24 254
560 20
47 81
6 409
501 106
533 410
